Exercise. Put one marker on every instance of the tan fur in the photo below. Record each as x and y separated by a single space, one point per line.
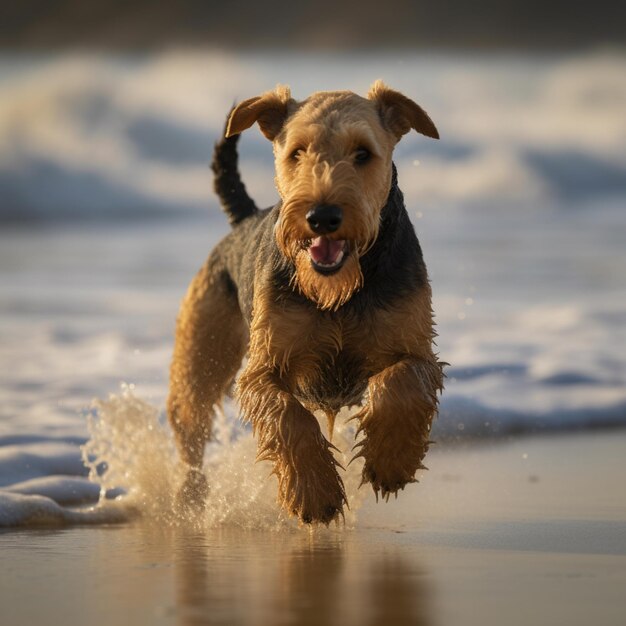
269 110
290 345
322 173
329 292
297 340
293 345
205 360
396 423
400 113
288 434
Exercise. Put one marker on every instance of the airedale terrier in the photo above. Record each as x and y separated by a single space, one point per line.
326 293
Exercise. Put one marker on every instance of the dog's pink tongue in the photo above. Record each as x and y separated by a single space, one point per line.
325 250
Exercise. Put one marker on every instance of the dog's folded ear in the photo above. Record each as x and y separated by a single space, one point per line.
270 110
399 114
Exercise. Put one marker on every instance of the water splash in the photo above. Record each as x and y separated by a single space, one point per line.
131 449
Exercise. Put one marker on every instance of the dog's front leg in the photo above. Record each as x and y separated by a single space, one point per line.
396 422
290 437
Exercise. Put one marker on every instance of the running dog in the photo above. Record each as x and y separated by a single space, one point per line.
327 295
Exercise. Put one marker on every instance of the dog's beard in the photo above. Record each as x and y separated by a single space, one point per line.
328 291
327 268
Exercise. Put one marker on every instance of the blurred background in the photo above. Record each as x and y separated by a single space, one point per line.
108 114
325 24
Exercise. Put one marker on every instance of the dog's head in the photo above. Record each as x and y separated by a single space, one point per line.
333 172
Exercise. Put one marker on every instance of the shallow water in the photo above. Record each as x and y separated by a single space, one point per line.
142 576
517 533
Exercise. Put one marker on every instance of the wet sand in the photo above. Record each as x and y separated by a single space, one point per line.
527 532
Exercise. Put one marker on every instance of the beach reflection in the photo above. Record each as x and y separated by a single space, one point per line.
229 577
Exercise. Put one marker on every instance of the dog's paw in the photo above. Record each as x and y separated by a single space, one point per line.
192 495
323 507
389 476
320 503
310 488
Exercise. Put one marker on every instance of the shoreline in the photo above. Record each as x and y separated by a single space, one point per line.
521 532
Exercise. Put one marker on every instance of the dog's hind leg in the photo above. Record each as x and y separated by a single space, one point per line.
211 339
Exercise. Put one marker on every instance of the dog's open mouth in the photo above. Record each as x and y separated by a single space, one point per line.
327 255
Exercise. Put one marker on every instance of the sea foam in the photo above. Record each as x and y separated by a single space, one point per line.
134 472
132 449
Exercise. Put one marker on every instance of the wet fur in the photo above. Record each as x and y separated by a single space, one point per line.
363 337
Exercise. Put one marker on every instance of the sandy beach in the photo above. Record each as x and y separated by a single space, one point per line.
531 531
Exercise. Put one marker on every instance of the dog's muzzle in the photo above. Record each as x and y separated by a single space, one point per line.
325 218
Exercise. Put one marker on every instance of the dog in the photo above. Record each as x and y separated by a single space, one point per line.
326 293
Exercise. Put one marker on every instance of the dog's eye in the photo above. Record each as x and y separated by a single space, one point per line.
362 155
294 155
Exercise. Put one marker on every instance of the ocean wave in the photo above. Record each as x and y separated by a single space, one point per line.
85 136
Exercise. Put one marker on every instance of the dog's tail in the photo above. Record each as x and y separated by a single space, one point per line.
231 191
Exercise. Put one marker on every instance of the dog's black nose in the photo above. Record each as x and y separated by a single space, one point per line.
325 218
